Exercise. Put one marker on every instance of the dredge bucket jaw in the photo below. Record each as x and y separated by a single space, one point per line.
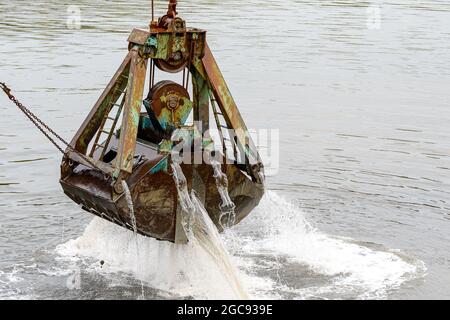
119 163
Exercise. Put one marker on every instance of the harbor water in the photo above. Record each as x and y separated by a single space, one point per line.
358 206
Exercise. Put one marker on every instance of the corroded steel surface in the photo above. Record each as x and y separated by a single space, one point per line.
132 110
201 99
109 96
230 110
155 197
170 103
140 157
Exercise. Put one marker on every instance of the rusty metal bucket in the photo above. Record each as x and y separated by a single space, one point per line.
137 146
154 194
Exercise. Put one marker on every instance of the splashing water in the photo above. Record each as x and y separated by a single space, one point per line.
227 206
130 205
347 268
207 236
278 253
201 231
187 207
129 200
202 268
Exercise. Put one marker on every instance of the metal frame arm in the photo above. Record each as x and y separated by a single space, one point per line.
229 108
110 95
132 109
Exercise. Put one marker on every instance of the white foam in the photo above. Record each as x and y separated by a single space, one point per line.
276 229
355 267
206 235
182 270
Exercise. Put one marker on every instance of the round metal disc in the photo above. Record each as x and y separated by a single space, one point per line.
168 99
171 65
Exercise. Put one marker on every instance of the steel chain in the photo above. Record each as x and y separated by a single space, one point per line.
39 124
33 118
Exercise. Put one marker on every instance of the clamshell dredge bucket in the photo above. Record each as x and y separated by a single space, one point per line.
127 139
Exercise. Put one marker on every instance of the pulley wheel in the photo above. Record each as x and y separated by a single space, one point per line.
171 65
170 102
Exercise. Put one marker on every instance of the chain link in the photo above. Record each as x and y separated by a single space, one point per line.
34 119
41 125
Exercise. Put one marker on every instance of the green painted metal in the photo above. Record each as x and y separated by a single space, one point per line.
110 96
165 118
165 147
131 113
145 122
162 46
162 165
152 41
201 99
181 113
229 108
157 210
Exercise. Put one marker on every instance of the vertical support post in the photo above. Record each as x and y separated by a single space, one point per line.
131 113
230 111
201 115
200 109
201 100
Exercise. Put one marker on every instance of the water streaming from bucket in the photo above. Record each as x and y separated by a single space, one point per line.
130 205
276 229
277 233
187 207
129 200
227 206
202 232
208 237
